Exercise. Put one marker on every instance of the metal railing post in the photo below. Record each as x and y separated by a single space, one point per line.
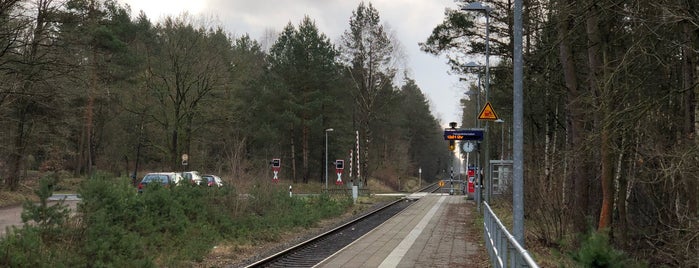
503 248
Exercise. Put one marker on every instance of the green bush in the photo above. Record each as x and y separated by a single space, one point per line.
595 251
48 219
41 242
160 227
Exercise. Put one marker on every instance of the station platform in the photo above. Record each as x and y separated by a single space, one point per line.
430 233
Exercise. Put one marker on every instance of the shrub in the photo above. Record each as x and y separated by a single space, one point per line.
595 251
48 219
43 241
118 227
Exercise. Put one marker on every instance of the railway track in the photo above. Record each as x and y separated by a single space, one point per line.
317 249
431 188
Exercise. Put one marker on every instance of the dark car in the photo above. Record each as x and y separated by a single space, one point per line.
165 179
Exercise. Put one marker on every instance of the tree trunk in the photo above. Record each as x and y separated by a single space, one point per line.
690 86
187 148
173 149
574 184
305 151
605 218
594 52
88 132
89 113
620 228
365 149
25 104
80 163
688 82
293 155
17 156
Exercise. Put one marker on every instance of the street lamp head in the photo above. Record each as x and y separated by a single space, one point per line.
477 6
472 93
472 64
499 121
329 130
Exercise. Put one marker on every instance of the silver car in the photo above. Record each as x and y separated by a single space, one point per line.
193 177
212 180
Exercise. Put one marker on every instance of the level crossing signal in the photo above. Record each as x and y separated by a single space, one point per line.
276 167
339 166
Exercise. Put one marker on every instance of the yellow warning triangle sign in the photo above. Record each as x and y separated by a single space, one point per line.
488 113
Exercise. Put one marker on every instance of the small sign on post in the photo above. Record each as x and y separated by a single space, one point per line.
339 166
276 167
185 159
488 113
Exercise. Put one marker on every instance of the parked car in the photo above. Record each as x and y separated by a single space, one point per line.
193 177
212 180
164 178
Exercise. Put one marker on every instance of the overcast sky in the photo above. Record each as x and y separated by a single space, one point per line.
411 20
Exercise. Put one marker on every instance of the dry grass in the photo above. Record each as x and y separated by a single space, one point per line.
314 187
27 186
235 253
543 255
8 198
25 192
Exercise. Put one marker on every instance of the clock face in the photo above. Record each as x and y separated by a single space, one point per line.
468 146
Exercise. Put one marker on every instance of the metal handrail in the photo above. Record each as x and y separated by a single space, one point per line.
503 248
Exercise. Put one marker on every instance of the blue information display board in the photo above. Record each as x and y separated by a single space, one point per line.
463 134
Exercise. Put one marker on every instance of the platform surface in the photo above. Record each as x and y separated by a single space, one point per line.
430 233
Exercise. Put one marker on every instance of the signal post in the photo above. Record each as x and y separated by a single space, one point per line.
470 138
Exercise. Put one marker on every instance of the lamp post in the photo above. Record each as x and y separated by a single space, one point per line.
419 173
502 138
517 144
476 124
477 6
473 65
326 157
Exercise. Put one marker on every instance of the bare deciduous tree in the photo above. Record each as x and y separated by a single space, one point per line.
367 51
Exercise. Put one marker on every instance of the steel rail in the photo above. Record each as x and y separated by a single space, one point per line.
268 261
